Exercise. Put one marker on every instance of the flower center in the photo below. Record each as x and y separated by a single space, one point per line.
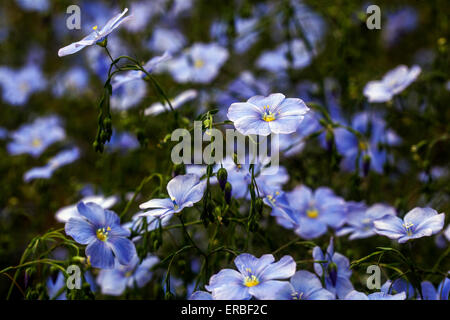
199 63
36 142
95 28
408 227
312 213
268 115
250 280
24 87
363 146
297 296
175 205
272 199
102 233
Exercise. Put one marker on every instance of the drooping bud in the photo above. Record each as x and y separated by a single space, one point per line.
332 272
329 140
222 176
228 190
366 164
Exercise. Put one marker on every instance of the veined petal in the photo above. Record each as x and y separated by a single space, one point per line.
82 231
282 269
93 212
123 249
100 255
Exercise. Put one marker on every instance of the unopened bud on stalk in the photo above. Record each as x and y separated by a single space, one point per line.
228 191
222 176
366 164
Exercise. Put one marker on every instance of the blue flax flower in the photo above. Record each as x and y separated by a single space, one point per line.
356 295
34 5
95 36
265 115
18 85
34 138
61 159
303 285
359 221
308 214
417 223
72 82
184 191
377 136
429 292
394 82
101 231
336 270
114 281
201 295
256 277
157 107
67 212
200 63
137 74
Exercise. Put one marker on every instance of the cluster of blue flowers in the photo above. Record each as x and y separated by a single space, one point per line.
121 250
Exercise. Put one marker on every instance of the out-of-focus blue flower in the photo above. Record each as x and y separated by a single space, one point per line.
3 133
137 225
303 285
123 141
336 271
277 61
359 220
67 212
246 33
34 5
19 85
399 23
184 191
308 214
114 281
61 159
447 233
256 277
242 88
34 138
54 286
356 295
294 143
132 75
435 173
72 82
393 82
157 107
199 63
142 13
377 136
201 295
101 231
417 223
128 94
166 40
95 36
265 115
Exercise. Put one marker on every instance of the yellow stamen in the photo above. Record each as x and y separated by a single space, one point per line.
198 63
363 146
36 142
95 28
268 117
312 213
102 234
251 281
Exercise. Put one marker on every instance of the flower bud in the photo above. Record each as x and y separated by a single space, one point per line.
366 164
228 191
332 272
222 176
